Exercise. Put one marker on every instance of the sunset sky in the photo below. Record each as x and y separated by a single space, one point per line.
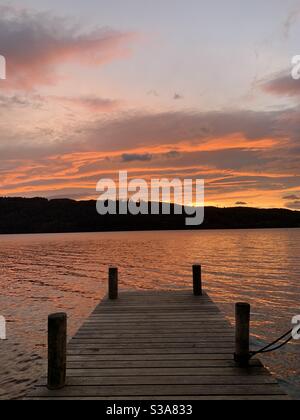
161 88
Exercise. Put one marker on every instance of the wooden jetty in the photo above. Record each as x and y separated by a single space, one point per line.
155 345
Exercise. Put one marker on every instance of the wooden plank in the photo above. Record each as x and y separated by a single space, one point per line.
96 369
196 322
158 327
140 318
77 361
127 357
202 348
170 398
200 338
137 350
183 350
153 329
183 335
169 380
128 340
156 390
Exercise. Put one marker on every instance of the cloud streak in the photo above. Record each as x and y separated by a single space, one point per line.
294 205
91 104
134 157
291 197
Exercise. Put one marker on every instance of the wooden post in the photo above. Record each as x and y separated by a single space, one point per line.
242 340
57 351
113 283
197 280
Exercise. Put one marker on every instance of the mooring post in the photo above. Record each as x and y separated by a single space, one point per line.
242 337
197 279
113 283
57 351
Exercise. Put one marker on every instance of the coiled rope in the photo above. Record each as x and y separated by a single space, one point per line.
269 348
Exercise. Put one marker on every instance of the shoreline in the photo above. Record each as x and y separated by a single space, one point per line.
150 231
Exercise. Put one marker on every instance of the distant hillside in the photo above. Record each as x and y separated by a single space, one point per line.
39 215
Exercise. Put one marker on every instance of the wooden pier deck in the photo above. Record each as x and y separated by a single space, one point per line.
158 346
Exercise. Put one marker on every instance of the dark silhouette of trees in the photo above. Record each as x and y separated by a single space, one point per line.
39 215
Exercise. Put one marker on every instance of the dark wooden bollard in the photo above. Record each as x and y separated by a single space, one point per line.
113 283
242 337
197 280
57 351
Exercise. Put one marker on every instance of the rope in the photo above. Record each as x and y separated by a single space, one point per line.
269 349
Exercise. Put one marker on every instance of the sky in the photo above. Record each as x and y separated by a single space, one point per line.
160 88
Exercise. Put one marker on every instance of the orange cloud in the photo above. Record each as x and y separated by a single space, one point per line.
243 156
76 175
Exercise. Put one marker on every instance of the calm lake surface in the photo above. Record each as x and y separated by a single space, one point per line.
40 274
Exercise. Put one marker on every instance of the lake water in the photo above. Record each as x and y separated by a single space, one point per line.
41 274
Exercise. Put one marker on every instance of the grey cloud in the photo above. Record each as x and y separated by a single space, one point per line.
139 130
129 132
178 97
294 205
131 157
282 84
173 154
291 197
90 103
132 131
11 101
